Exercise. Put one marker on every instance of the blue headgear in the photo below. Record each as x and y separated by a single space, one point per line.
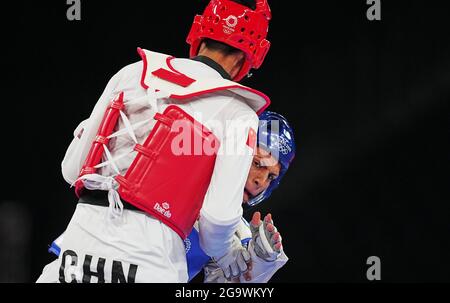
276 136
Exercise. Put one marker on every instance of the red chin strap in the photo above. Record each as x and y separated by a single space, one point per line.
236 25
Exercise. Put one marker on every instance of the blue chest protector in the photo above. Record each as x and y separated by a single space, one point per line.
195 256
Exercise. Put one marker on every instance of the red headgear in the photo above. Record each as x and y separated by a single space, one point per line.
236 25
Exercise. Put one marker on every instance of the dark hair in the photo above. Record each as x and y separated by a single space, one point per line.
249 3
222 47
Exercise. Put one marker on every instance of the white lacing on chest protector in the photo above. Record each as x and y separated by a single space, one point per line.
99 182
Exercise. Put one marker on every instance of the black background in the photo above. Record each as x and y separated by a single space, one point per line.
368 100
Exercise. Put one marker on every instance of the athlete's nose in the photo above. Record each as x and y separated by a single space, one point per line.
260 180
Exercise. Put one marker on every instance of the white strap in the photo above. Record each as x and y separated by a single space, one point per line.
133 127
110 159
128 127
162 94
99 182
153 97
114 159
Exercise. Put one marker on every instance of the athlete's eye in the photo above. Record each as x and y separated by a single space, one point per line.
272 177
257 164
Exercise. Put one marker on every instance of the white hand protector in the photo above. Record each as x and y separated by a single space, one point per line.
235 262
266 238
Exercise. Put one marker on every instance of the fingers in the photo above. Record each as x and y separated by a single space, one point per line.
273 234
247 276
250 265
276 242
277 247
266 236
243 260
268 218
246 256
256 219
247 259
227 272
235 271
241 266
270 231
276 237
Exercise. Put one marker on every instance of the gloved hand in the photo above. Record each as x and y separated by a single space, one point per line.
235 262
266 239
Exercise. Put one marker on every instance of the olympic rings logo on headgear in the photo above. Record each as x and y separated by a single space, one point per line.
278 138
283 146
236 25
231 21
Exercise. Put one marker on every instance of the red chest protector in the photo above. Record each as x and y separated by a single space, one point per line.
165 184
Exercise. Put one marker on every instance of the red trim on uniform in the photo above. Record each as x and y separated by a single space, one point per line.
173 75
196 94
169 64
265 105
177 78
144 71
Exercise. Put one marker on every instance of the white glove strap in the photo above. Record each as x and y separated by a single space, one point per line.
264 242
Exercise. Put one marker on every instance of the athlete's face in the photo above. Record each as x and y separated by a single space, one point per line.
265 168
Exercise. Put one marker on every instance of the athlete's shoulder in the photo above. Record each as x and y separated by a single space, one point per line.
137 67
132 68
240 109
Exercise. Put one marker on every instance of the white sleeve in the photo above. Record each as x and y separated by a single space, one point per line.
222 208
85 132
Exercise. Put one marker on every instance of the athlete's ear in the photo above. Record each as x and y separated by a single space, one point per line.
202 48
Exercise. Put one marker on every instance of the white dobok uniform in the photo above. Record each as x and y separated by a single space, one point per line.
262 270
117 245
